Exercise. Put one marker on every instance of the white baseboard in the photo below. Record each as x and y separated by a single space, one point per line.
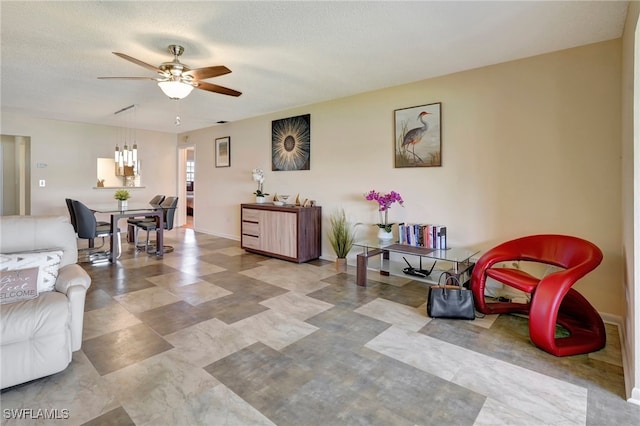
612 319
633 392
217 234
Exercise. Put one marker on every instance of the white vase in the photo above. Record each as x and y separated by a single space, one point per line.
384 235
122 204
260 200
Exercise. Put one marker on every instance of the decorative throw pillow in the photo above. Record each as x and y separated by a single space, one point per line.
17 285
47 262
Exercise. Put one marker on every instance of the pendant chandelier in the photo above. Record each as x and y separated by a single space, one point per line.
126 158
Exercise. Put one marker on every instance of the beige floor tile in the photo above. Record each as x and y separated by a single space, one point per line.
274 329
395 313
144 300
209 341
296 305
105 320
199 292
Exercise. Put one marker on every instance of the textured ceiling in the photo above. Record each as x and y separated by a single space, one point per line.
282 54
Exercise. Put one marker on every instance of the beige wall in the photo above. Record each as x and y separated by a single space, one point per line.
70 152
630 199
530 146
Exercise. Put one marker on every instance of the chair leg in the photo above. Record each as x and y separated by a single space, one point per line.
139 247
119 246
575 313
146 246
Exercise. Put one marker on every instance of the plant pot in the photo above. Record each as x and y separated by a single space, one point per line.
261 200
123 204
384 235
341 264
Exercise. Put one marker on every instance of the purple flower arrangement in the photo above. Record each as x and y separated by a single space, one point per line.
384 204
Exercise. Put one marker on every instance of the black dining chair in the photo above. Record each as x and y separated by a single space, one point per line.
88 228
72 215
132 222
168 206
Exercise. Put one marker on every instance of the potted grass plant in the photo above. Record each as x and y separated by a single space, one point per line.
341 236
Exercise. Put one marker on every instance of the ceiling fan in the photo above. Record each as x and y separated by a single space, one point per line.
176 79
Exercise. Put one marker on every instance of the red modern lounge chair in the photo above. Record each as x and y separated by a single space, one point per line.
552 298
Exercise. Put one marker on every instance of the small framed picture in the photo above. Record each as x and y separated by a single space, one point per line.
223 152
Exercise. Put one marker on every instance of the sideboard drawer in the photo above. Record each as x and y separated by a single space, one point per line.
251 215
249 241
251 228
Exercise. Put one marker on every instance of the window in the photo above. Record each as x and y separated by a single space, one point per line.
191 170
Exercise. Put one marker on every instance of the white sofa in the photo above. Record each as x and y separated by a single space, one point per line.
37 336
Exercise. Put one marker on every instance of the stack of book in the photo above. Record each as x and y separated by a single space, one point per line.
421 235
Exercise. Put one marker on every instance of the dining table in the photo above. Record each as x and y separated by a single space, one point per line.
130 211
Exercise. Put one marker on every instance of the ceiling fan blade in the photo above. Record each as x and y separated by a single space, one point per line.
128 78
207 72
138 62
217 89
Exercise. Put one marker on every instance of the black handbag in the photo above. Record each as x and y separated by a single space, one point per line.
450 300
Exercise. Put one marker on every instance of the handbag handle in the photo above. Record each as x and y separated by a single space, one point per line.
448 276
455 279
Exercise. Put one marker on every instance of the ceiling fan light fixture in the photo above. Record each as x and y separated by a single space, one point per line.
175 89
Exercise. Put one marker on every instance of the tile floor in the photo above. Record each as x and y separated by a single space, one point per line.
211 335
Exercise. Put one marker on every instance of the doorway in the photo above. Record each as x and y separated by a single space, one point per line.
15 157
186 186
190 176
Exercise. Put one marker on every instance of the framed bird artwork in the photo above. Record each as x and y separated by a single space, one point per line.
418 136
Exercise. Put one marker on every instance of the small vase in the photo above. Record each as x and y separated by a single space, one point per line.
122 204
341 264
260 200
384 235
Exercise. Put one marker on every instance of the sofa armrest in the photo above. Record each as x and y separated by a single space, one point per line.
72 275
73 281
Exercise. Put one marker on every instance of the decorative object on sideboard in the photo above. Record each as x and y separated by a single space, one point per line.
290 143
122 195
284 199
341 236
418 136
258 176
384 201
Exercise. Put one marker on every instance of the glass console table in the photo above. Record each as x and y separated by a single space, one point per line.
458 259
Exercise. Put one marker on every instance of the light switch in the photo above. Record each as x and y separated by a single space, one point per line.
42 183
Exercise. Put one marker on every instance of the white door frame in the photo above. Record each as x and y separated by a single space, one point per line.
182 184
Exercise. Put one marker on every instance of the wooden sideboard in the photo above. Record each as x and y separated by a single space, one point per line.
286 232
